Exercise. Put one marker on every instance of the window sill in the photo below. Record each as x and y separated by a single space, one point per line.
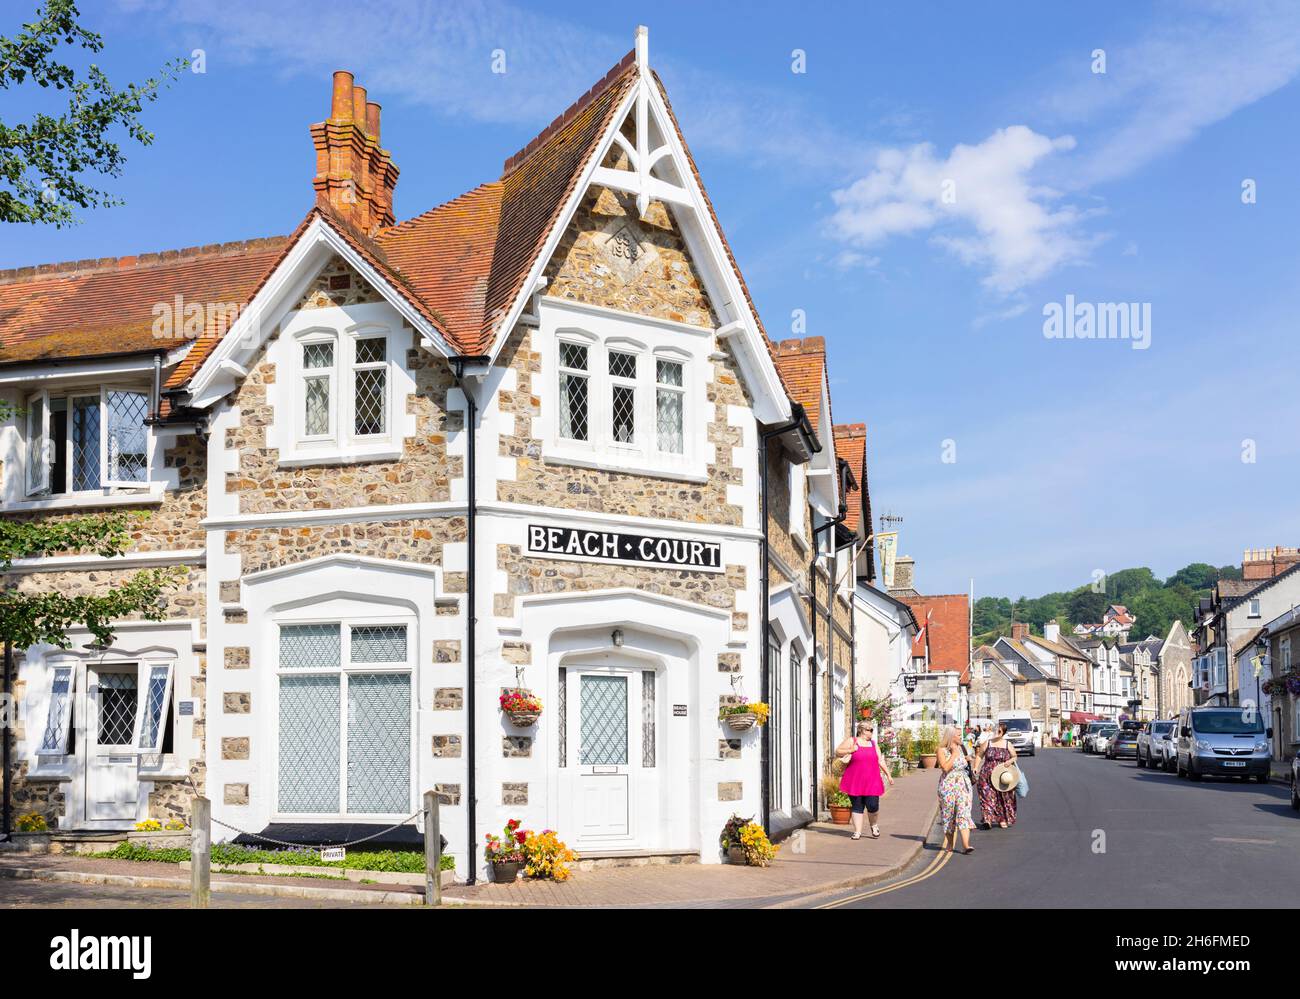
354 456
613 461
75 501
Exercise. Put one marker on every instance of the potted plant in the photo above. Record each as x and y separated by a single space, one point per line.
743 715
905 744
547 857
758 849
729 840
522 707
505 853
32 833
927 740
839 803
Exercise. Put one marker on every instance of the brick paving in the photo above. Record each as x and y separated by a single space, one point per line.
823 859
830 860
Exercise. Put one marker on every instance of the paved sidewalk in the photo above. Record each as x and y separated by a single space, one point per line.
830 861
823 859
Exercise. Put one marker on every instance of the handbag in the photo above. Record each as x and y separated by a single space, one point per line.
1022 789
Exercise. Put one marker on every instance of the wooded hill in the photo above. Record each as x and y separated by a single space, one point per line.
1155 604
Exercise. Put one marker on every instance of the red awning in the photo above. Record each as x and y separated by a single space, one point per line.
1083 716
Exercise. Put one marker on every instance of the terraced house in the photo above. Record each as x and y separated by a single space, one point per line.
535 437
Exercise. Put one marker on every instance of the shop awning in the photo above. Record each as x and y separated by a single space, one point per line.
1083 716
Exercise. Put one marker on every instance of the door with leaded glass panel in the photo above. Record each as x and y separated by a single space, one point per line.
610 756
112 779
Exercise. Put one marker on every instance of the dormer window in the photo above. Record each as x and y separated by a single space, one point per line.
87 441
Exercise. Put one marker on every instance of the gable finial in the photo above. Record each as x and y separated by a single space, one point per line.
642 47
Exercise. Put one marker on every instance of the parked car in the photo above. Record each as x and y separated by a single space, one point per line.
1225 742
1020 731
1096 736
1154 746
1124 742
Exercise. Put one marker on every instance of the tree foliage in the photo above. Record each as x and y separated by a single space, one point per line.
28 618
42 161
1154 604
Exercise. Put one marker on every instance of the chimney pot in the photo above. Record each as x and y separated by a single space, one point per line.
341 102
359 105
372 120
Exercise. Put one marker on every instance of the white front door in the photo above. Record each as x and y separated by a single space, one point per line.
612 732
112 782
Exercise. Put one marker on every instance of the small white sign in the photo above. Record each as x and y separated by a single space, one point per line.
330 853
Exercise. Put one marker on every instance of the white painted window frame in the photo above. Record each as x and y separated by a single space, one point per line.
347 666
146 668
636 351
61 746
37 478
340 440
602 331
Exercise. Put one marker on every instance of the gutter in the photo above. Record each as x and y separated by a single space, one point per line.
843 468
799 422
471 607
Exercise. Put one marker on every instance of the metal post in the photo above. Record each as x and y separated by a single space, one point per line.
432 851
201 854
9 720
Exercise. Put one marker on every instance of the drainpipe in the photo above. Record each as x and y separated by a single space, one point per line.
7 730
798 421
830 525
471 607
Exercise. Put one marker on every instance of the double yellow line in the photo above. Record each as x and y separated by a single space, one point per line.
935 866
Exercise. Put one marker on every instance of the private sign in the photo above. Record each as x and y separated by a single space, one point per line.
616 546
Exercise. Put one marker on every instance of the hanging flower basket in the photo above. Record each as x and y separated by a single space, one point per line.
522 707
741 722
744 715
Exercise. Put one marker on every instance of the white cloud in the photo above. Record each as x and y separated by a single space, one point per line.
979 202
1200 65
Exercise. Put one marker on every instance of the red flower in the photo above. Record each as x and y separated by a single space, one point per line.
520 836
512 825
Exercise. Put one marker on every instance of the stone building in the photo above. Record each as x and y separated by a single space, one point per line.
533 438
995 685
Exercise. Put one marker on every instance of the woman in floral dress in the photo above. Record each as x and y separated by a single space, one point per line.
996 806
955 791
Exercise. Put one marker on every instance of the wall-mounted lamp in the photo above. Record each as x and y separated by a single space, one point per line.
616 636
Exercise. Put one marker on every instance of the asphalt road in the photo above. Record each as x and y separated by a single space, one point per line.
1095 833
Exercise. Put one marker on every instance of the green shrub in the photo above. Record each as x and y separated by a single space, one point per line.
229 854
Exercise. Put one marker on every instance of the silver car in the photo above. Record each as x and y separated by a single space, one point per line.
1155 746
1223 742
1099 736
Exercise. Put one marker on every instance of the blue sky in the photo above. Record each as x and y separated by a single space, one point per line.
1122 186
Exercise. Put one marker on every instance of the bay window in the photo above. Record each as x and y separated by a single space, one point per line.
84 441
344 719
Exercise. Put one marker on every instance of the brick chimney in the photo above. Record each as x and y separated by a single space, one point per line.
904 572
354 176
1019 630
1265 563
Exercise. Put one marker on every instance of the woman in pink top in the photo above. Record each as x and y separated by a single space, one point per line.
863 779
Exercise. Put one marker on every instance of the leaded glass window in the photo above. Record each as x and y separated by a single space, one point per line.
38 444
603 721
118 699
573 391
622 407
309 744
127 441
318 387
54 741
85 431
379 742
157 695
669 405
648 718
357 762
796 728
562 716
370 387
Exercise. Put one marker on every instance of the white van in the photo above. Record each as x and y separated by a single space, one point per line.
1020 730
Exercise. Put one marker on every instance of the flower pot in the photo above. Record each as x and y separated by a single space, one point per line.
864 713
523 719
841 814
32 842
741 722
929 761
504 872
736 855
